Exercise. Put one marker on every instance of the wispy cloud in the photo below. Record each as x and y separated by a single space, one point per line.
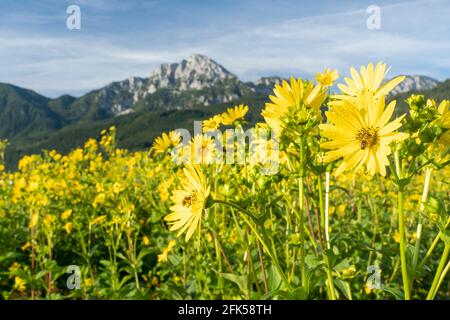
119 42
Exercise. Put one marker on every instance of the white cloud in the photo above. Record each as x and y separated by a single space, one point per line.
77 63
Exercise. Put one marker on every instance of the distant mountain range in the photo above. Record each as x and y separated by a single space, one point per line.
415 83
172 97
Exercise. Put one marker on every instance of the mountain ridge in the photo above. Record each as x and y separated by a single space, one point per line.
192 89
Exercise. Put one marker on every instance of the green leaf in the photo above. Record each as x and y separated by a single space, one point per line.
344 264
296 294
344 288
273 278
313 261
242 282
445 236
10 256
105 263
397 293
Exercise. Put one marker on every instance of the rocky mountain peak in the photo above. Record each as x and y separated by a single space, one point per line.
195 72
415 83
188 82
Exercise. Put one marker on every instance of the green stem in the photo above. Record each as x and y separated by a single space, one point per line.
394 272
330 284
237 207
374 230
216 241
434 286
401 227
327 206
320 222
431 249
263 270
443 274
302 230
263 239
301 203
426 187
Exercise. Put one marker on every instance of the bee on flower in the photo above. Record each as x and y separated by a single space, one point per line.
360 132
189 200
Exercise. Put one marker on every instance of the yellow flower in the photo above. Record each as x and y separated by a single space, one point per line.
368 80
341 210
163 257
361 134
190 201
348 272
117 219
117 188
68 227
327 78
66 214
234 114
176 279
296 96
444 112
163 188
26 161
265 151
33 186
25 246
98 220
155 281
171 244
19 284
145 240
127 208
49 219
201 150
55 155
88 282
396 237
14 267
99 199
41 200
91 143
212 123
166 142
34 220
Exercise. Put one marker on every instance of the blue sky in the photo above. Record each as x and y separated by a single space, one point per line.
251 38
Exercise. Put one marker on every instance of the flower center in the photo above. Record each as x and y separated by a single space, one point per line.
367 136
189 200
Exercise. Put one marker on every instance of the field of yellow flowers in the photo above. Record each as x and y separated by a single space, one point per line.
357 207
